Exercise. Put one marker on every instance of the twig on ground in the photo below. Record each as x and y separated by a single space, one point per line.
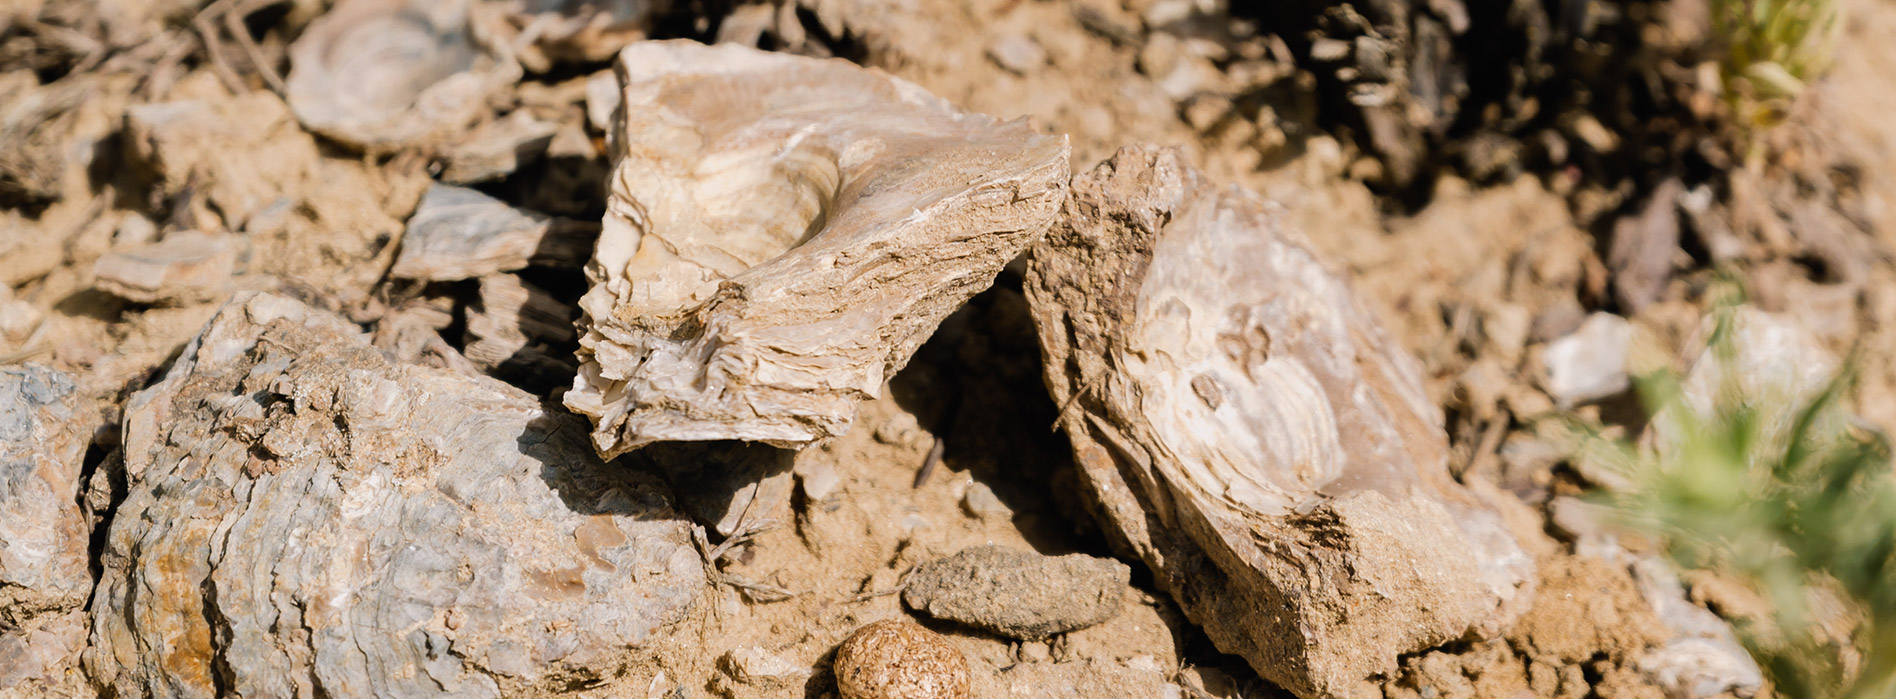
234 23
213 49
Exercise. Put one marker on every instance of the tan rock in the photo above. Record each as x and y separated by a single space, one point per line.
305 516
184 267
1254 436
782 234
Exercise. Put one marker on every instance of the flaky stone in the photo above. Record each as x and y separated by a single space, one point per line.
460 233
1250 432
304 517
781 234
43 534
186 266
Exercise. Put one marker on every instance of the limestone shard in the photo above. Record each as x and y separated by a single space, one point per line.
1248 430
781 234
306 517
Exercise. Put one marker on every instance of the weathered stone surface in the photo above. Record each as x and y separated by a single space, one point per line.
1249 431
185 267
305 517
1019 594
497 148
460 233
781 234
43 533
383 75
246 153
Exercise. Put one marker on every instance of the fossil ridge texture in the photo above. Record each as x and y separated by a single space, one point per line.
305 517
781 234
1247 430
382 75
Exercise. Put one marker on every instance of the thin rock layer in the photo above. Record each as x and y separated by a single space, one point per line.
1249 431
305 517
781 234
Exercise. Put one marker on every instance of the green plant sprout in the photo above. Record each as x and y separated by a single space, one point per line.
1772 50
1791 496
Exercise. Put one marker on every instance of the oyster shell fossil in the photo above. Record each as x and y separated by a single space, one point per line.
1251 433
781 234
382 75
305 516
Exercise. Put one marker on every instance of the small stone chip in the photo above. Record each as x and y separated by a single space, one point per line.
1019 594
897 659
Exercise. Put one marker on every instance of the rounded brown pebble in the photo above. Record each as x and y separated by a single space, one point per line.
897 659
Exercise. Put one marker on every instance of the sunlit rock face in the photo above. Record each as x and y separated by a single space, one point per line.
782 233
1249 431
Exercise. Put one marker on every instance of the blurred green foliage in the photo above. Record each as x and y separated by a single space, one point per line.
1792 497
1773 48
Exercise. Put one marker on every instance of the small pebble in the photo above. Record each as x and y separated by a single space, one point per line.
1590 364
1017 53
896 659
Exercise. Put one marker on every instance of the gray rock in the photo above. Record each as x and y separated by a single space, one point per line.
306 517
1019 594
43 535
460 233
1590 364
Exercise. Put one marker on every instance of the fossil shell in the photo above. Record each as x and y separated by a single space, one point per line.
382 75
304 516
781 234
1253 435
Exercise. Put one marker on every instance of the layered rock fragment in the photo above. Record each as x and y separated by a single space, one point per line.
43 534
305 517
1249 432
781 234
186 266
460 233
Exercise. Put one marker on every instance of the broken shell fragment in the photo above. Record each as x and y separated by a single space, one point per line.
1252 434
382 75
781 234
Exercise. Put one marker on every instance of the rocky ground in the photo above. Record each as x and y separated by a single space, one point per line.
233 345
